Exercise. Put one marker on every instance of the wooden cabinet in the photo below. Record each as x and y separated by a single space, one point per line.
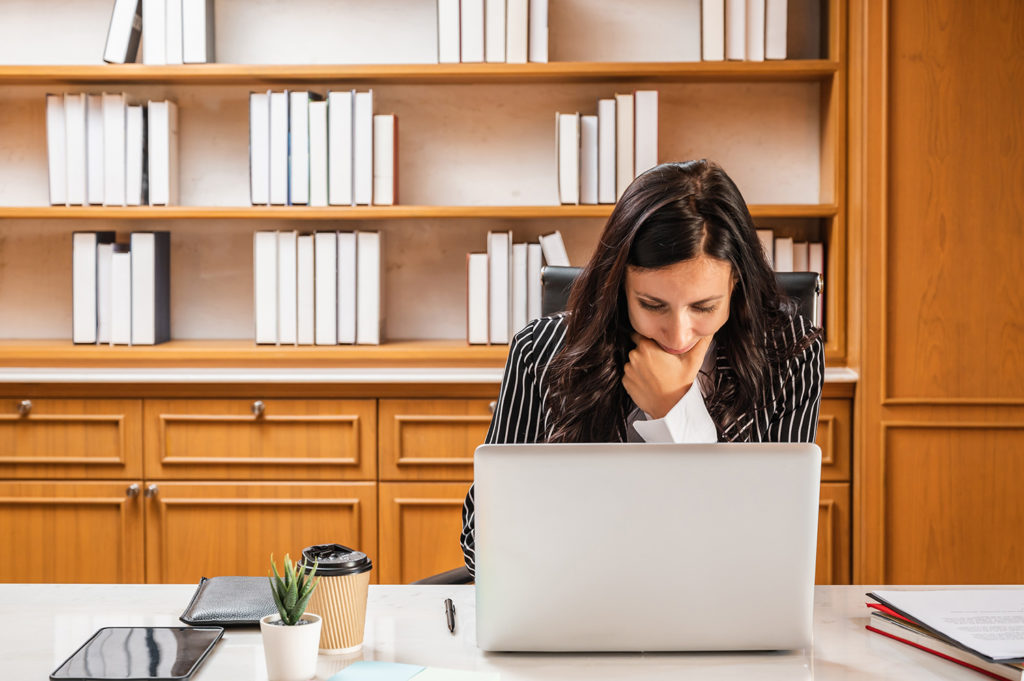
833 558
420 524
834 439
431 439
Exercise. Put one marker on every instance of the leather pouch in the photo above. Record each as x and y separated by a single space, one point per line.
230 602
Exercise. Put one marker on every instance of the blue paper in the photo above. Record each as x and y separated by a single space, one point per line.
366 670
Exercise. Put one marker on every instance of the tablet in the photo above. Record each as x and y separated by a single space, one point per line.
151 653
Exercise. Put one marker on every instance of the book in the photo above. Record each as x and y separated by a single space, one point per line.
448 39
124 32
151 287
736 29
287 287
517 31
471 19
755 23
94 148
75 134
325 281
623 143
84 285
775 29
104 260
114 149
688 43
279 151
135 161
645 130
567 131
712 30
264 276
767 239
499 281
197 31
174 45
259 148
606 151
534 259
476 299
369 288
305 270
56 149
554 249
163 153
362 149
494 31
385 160
800 253
588 159
519 303
340 117
347 269
538 31
121 295
154 32
318 153
299 146
783 254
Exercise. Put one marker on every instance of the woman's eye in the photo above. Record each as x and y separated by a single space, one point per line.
650 306
704 310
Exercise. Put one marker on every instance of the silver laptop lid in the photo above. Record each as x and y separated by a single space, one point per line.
626 547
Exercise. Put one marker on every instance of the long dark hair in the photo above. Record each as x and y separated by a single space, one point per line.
671 213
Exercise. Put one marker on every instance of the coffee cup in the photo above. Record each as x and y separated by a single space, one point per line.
340 595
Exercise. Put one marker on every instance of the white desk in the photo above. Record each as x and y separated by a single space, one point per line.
40 625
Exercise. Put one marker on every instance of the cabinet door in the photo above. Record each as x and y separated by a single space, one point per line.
261 439
420 524
833 437
833 561
431 439
86 438
81 532
203 529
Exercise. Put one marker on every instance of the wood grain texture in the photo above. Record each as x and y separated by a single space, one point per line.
431 439
420 523
835 421
832 565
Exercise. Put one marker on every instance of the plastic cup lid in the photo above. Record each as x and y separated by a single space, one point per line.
334 560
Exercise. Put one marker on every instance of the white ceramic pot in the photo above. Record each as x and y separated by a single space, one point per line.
290 651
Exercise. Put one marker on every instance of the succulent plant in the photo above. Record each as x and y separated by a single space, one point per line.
292 591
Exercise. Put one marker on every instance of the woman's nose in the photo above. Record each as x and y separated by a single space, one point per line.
680 335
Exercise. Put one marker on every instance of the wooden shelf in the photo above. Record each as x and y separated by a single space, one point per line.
566 72
361 212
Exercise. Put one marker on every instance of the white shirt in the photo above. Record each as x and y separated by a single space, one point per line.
687 421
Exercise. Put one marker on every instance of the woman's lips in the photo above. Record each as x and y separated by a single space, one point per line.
673 351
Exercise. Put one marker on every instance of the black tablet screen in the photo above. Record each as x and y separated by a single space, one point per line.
140 653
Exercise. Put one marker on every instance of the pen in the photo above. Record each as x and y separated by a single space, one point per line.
449 612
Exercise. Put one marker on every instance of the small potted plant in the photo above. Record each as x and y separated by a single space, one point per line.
291 637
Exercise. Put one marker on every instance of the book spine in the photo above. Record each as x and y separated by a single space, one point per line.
94 149
279 148
588 160
775 29
318 153
448 37
494 38
623 143
287 281
736 30
174 36
298 158
154 32
645 148
362 149
265 286
124 33
113 150
75 141
56 149
347 268
472 25
340 160
326 287
517 32
712 16
259 148
538 31
369 288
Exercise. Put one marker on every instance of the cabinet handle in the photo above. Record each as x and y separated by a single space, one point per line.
492 406
133 490
152 491
258 408
24 407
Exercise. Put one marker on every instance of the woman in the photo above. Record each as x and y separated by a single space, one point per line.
675 332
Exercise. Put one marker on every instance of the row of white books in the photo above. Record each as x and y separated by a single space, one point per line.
172 32
599 155
121 293
743 30
307 150
103 150
493 31
503 285
784 254
323 288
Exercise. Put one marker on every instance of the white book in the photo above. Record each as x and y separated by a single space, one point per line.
124 32
305 314
755 30
816 263
197 31
264 276
784 254
325 245
736 29
299 146
385 160
520 305
689 31
287 287
568 137
121 295
347 268
259 148
800 256
606 151
534 259
538 30
517 31
499 280
75 147
85 284
623 143
448 49
476 299
163 153
369 288
318 153
775 21
134 156
645 122
554 249
56 149
588 159
767 239
362 149
151 287
494 33
94 148
104 261
113 149
175 44
712 33
154 32
340 161
279 148
472 25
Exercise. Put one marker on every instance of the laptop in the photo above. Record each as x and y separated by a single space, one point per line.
645 547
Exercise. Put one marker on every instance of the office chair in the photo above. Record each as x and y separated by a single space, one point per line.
556 282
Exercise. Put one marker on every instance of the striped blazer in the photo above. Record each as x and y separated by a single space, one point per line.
790 400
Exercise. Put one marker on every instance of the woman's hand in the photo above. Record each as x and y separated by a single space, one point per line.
657 380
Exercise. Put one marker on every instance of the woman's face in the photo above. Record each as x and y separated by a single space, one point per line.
677 305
